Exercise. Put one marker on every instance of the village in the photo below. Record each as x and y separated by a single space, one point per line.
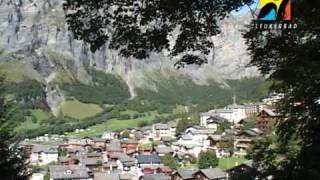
139 153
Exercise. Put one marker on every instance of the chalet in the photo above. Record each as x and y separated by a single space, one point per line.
42 155
160 130
125 162
70 172
185 139
173 128
113 147
265 119
183 174
138 134
211 121
193 149
129 144
162 150
99 142
210 174
93 163
244 170
243 139
199 134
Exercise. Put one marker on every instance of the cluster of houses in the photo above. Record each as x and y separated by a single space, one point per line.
138 156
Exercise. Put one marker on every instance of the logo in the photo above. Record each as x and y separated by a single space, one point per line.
275 10
275 15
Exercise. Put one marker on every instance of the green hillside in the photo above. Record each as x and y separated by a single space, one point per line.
183 91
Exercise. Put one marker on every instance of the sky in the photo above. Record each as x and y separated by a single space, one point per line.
245 9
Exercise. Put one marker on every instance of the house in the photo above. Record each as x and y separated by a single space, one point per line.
42 155
164 170
99 142
244 170
173 128
185 139
214 142
125 162
233 113
183 174
265 119
129 144
70 172
93 163
113 147
199 134
251 109
243 139
147 131
160 130
211 121
110 165
210 174
148 160
162 150
108 135
138 134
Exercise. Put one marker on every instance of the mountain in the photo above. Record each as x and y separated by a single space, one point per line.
35 44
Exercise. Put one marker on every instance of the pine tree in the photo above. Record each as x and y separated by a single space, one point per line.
12 162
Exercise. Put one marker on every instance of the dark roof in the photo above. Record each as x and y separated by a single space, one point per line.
114 146
216 119
146 159
68 172
204 131
166 138
248 163
164 149
156 177
45 149
186 174
213 173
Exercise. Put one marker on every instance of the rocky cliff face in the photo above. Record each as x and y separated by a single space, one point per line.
34 32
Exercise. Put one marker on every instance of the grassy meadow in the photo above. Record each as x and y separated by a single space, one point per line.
78 110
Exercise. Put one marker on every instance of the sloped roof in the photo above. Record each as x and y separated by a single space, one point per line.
186 174
156 177
146 159
104 176
161 126
216 119
164 149
45 149
213 173
68 172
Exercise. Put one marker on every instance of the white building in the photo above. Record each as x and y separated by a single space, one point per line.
42 155
233 113
163 130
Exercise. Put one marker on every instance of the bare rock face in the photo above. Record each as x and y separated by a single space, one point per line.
35 31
